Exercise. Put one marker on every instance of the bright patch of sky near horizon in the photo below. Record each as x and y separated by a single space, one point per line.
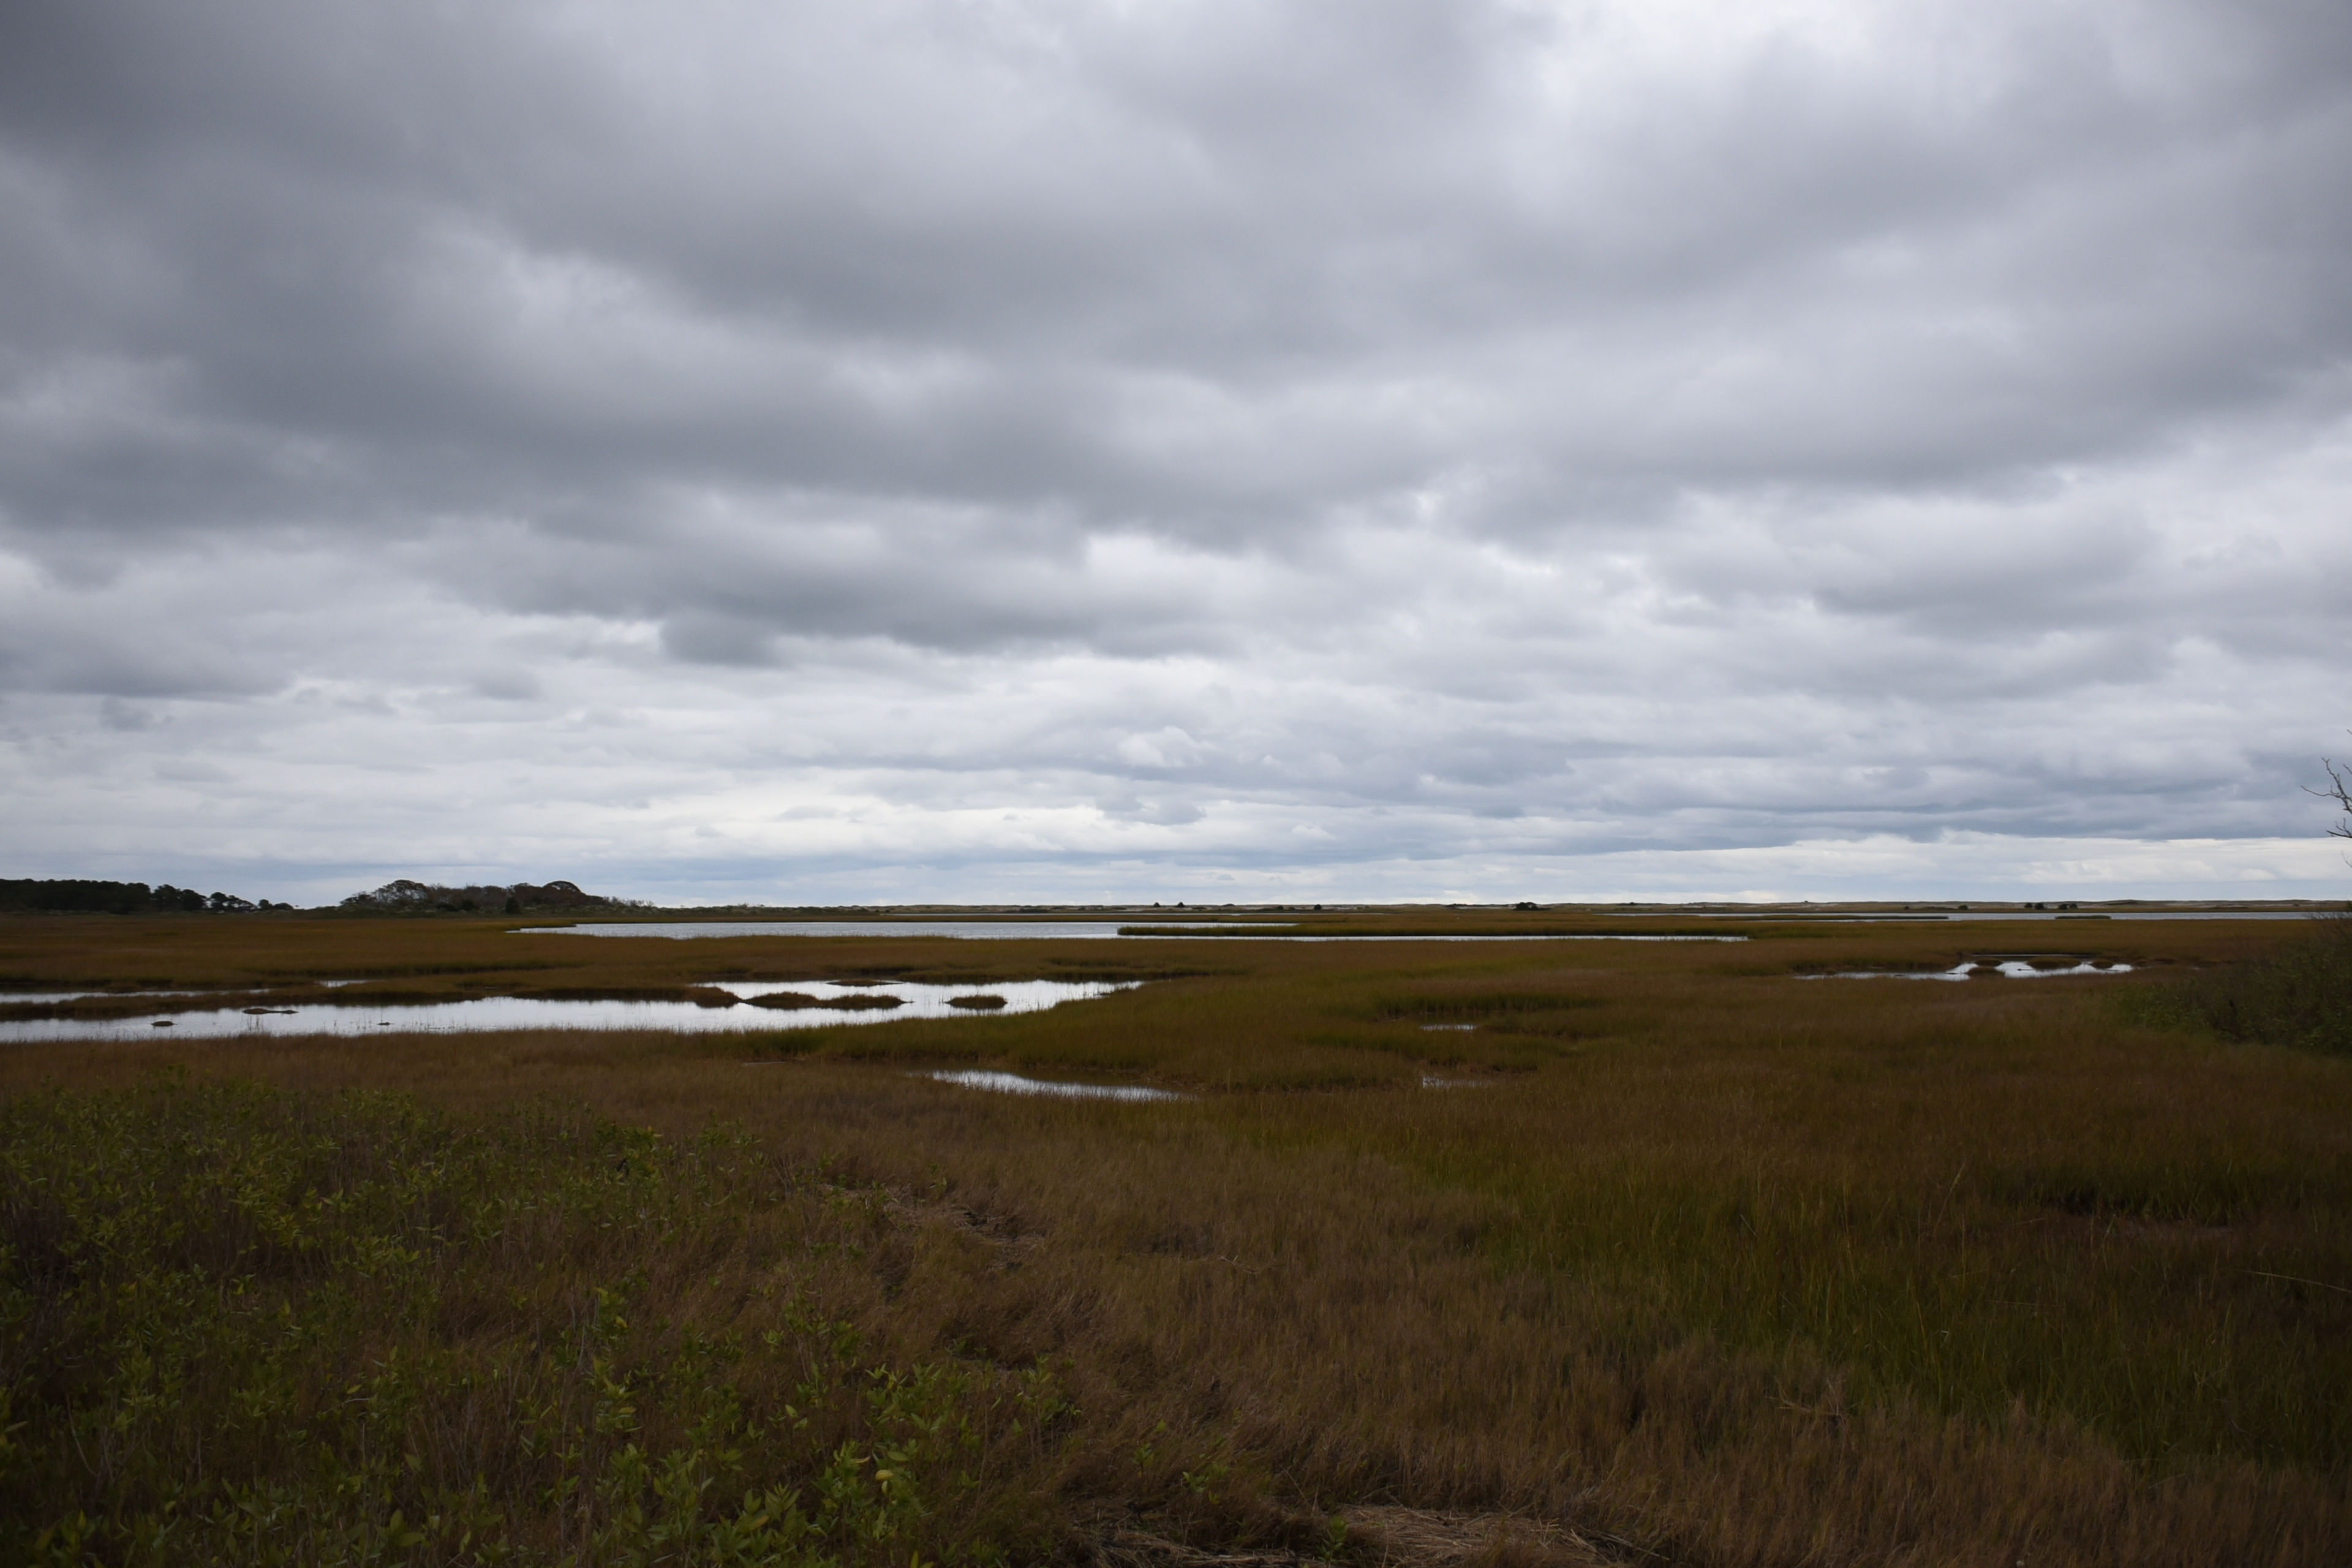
1055 450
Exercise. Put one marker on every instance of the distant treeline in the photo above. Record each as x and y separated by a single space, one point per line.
76 895
405 897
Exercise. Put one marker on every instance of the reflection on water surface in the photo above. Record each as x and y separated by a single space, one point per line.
1014 1083
2012 969
498 1012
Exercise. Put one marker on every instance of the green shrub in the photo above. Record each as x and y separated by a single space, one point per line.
2301 995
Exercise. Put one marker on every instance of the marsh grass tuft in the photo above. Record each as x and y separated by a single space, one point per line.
244 1326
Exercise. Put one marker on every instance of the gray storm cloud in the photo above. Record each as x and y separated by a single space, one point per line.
1080 449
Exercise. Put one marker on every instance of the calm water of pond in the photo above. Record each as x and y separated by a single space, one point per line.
2012 969
498 1012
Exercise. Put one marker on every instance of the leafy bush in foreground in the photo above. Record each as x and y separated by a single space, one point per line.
242 1326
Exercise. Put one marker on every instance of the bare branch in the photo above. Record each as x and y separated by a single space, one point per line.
2339 789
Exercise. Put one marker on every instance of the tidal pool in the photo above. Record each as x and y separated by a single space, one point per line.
486 1014
2012 969
42 999
1014 1083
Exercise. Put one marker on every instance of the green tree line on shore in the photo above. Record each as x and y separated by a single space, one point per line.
74 895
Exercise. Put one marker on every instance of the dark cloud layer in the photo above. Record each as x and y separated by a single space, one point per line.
962 446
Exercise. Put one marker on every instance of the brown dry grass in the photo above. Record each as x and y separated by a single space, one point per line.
1723 1267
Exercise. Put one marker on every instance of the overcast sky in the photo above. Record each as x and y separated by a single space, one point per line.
1078 449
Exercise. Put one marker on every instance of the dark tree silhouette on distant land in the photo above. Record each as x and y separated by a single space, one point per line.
406 896
83 896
